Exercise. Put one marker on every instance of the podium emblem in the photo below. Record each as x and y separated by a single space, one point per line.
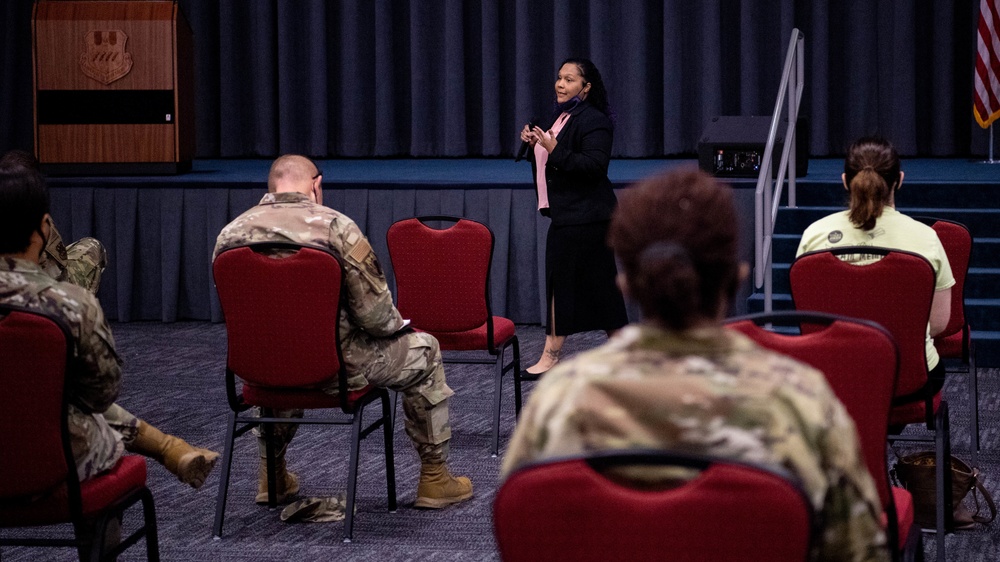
104 58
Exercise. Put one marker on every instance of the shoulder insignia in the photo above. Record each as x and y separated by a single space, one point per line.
362 254
360 251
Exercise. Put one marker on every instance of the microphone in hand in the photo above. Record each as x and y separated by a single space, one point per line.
525 145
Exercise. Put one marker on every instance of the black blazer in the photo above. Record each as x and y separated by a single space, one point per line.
577 169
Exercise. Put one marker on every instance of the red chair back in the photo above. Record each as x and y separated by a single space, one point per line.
957 242
35 351
282 313
895 292
442 276
860 361
569 510
36 459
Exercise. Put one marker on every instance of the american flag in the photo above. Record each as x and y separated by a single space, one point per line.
986 100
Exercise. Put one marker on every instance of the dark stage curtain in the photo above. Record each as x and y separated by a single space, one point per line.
453 78
160 240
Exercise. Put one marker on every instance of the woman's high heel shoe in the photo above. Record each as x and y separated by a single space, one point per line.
526 376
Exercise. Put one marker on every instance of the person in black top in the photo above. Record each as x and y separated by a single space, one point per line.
570 165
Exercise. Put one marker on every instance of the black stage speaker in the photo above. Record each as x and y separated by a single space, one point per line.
733 146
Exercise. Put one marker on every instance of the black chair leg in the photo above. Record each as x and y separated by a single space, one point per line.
227 462
942 446
516 367
497 389
149 520
390 460
974 405
352 474
83 533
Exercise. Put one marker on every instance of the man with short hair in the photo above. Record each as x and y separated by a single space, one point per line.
99 429
375 352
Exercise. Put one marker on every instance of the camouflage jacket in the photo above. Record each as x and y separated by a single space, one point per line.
292 217
54 258
709 391
96 373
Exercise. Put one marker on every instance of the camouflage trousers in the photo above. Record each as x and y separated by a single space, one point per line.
98 440
411 365
80 263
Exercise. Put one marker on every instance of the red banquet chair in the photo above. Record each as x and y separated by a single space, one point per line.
955 342
570 510
443 287
282 316
38 476
895 292
864 382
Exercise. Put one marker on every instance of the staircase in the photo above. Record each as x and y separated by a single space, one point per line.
974 204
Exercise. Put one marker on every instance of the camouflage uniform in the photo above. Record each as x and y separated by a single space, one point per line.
98 428
373 351
709 391
80 263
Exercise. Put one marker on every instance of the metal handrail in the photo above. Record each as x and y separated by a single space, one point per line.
767 196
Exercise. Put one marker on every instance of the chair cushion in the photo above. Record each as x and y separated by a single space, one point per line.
904 513
950 347
912 412
503 330
96 495
295 398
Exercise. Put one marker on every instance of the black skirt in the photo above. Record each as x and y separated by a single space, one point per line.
580 279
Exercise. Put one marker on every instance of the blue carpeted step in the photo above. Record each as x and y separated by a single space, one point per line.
982 223
779 278
983 313
985 252
987 347
784 245
982 282
913 194
780 301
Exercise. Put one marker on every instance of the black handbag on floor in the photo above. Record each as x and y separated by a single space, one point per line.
915 472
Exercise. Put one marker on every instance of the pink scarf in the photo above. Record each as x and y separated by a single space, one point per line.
541 157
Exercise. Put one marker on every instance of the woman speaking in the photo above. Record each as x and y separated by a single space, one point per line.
570 165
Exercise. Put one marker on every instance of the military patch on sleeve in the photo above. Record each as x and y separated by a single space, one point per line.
363 254
360 251
372 265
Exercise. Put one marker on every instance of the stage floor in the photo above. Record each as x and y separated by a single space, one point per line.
469 172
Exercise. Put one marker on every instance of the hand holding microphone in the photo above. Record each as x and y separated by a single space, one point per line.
526 139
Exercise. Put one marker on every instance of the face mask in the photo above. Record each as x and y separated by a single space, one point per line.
45 239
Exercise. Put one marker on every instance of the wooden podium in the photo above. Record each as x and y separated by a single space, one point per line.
114 87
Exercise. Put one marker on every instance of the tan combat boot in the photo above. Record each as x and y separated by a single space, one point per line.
438 488
288 482
190 464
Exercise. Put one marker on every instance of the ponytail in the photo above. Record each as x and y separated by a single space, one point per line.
869 194
871 171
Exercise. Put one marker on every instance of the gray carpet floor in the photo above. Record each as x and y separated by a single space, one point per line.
173 379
